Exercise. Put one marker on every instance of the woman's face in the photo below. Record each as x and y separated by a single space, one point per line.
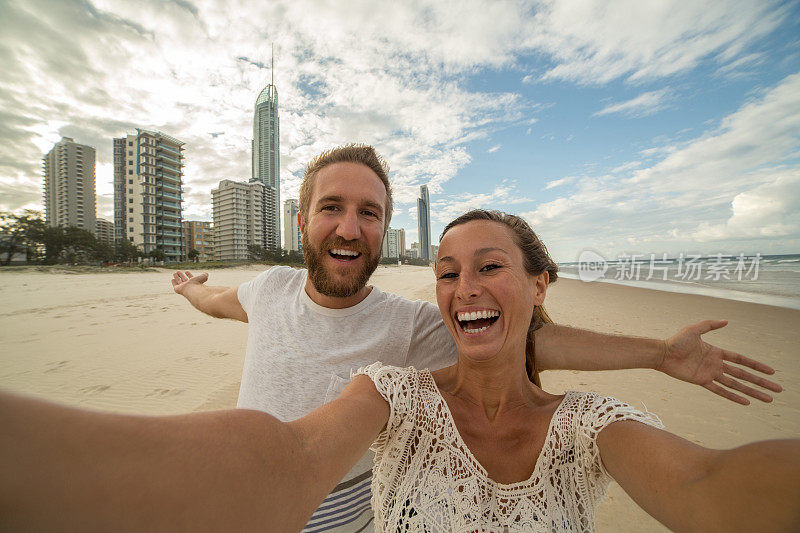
484 293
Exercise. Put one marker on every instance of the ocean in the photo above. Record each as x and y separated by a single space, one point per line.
769 279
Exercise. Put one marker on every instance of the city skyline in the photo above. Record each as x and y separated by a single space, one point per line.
623 127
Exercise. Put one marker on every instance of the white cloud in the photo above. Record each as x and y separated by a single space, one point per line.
493 149
643 105
558 183
446 208
595 42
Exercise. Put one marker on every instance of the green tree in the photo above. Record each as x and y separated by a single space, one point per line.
18 234
193 255
157 255
79 246
125 251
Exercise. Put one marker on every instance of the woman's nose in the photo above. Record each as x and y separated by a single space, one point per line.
468 287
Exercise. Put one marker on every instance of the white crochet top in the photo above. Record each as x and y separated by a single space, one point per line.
426 479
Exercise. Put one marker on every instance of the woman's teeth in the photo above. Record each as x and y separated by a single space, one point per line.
475 315
477 321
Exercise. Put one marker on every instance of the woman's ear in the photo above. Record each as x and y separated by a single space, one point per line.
540 287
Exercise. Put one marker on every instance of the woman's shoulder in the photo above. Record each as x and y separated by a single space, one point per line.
392 381
595 411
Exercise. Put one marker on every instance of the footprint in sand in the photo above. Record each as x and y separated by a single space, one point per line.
56 366
96 389
165 393
216 353
189 358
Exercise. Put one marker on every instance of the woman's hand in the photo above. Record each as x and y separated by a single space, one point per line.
689 358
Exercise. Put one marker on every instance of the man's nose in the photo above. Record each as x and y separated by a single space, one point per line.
349 228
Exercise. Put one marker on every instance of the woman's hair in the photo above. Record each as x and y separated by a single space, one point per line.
535 260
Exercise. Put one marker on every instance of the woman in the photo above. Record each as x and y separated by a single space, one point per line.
476 446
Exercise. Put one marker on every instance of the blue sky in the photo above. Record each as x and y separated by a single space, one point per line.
626 126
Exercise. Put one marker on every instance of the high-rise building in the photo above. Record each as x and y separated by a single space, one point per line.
401 242
104 231
238 218
148 191
393 243
291 229
198 235
68 172
267 162
424 223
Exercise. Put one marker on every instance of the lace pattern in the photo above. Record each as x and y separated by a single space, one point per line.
426 479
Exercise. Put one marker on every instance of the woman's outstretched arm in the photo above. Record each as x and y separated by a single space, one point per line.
684 356
686 487
68 469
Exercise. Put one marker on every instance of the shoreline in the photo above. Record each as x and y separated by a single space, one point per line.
787 302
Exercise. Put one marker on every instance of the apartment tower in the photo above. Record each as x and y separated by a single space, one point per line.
394 242
148 192
238 218
68 172
291 229
424 223
198 235
266 161
104 231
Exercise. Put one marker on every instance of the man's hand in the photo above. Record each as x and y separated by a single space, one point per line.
688 358
180 280
219 302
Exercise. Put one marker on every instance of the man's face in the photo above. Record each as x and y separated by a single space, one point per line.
343 234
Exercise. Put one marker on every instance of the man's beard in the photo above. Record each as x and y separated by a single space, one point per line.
322 279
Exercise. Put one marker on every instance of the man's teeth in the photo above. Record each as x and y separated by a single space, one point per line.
475 315
340 251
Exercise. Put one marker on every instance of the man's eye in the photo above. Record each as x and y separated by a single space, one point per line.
330 208
448 275
369 213
489 267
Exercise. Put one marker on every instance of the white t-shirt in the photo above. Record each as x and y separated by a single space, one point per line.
300 356
426 479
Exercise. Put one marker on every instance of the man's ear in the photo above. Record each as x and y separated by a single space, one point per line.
300 222
540 287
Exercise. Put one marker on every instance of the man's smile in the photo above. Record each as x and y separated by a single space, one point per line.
343 255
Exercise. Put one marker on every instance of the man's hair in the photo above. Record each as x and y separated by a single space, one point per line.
363 154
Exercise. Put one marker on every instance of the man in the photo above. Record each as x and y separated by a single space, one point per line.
309 328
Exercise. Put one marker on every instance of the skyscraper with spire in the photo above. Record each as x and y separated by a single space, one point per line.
266 159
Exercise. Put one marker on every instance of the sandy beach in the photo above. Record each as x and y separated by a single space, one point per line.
125 342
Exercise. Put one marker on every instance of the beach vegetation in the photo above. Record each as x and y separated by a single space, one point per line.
276 256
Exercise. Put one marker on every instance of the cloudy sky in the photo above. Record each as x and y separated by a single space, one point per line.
625 126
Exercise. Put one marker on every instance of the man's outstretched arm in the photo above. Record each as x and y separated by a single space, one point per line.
684 356
219 302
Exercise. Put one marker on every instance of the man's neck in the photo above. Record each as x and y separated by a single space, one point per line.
333 302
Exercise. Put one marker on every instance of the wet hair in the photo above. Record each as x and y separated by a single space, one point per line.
535 260
362 154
